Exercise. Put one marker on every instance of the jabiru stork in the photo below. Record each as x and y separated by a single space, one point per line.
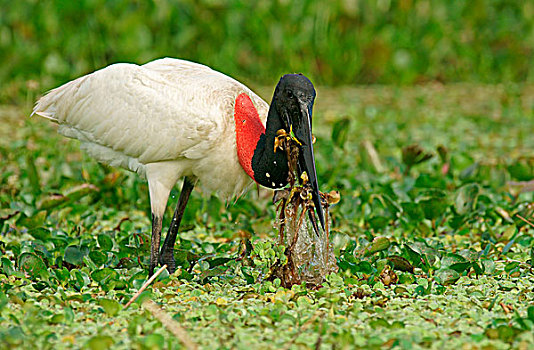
171 119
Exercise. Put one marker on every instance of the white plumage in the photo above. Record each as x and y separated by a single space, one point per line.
164 120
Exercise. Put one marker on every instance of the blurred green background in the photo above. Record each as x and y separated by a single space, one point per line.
337 42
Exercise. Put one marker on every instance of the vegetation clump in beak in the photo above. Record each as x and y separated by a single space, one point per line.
309 253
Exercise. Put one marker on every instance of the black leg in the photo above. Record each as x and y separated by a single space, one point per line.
166 255
154 245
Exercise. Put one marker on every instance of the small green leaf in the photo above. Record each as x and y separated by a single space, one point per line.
218 261
3 300
80 191
433 203
400 263
466 198
378 244
7 266
413 155
413 211
40 233
340 131
110 306
33 174
33 221
447 276
104 275
451 259
98 257
530 313
154 341
73 255
51 201
461 266
378 223
105 242
100 342
248 277
31 264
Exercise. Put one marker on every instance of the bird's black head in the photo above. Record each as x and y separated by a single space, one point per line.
293 99
291 109
294 95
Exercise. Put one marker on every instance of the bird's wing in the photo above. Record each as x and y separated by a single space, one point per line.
163 110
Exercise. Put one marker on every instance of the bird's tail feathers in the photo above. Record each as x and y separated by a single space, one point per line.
46 105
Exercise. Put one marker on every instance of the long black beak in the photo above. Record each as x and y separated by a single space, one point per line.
306 161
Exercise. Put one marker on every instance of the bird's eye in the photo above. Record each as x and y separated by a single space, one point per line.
289 93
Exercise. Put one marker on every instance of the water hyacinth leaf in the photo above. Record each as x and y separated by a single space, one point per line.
216 271
79 279
154 341
447 276
40 286
110 306
479 268
466 198
379 323
31 264
57 319
7 213
508 246
362 266
106 278
414 254
105 242
218 261
348 253
69 314
413 211
400 263
40 233
77 192
51 201
73 255
62 275
98 257
488 265
451 259
248 277
3 300
503 332
100 342
413 155
530 313
33 174
378 244
340 131
32 221
508 233
433 203
378 223
521 171
7 266
511 266
461 266
365 267
406 278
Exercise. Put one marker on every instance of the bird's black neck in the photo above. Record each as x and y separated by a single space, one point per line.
270 167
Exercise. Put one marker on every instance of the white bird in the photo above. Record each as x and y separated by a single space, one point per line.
171 118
